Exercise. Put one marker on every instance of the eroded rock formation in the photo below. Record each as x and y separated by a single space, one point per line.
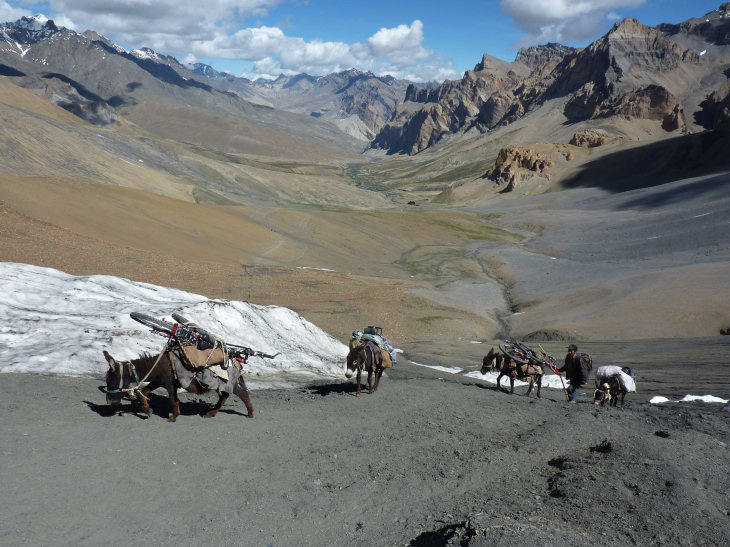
514 163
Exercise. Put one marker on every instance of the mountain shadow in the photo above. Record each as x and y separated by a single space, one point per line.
80 89
656 163
6 70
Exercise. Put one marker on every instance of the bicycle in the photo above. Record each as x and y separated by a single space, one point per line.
185 332
521 353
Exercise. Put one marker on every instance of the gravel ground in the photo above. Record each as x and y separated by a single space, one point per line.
431 458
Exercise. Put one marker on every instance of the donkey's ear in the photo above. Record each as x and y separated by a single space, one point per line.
109 358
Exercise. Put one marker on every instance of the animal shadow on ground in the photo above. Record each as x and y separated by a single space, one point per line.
323 390
159 405
489 387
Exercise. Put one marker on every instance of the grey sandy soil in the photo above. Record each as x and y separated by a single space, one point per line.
431 458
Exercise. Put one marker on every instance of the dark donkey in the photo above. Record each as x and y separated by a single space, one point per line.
149 372
367 356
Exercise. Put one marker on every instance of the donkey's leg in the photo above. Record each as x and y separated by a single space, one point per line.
378 374
242 392
539 384
370 381
144 399
174 402
530 383
359 380
222 398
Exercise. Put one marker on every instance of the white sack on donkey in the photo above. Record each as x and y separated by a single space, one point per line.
611 382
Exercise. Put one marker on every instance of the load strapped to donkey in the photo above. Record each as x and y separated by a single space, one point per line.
375 335
192 358
371 352
196 348
518 360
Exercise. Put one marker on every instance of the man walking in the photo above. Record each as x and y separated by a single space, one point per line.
576 371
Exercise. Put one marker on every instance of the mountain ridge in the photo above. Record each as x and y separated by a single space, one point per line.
633 70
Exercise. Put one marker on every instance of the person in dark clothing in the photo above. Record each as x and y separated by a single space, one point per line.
575 371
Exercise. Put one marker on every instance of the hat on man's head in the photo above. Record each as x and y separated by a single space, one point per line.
572 347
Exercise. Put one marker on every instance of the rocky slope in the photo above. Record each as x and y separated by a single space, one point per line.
97 80
634 72
87 74
348 95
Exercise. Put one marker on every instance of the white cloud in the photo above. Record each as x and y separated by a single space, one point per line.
9 13
189 59
400 42
563 21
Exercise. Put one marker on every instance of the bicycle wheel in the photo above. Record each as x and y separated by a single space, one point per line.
151 322
528 351
180 319
513 352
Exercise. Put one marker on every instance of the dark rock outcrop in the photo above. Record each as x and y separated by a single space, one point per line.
718 107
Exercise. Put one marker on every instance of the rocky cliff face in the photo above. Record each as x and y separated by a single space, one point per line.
633 72
718 106
714 27
624 74
484 94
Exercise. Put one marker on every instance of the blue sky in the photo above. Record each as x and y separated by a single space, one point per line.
419 40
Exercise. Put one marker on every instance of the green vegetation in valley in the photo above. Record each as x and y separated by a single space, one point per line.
439 263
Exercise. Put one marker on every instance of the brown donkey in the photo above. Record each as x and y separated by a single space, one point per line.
369 357
528 372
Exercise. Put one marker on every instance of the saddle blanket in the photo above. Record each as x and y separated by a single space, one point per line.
214 377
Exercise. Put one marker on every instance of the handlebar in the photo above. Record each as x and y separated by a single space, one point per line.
242 353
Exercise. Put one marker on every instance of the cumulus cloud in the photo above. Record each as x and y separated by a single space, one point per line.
399 43
226 29
9 13
563 21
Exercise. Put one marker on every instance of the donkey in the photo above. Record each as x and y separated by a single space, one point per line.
613 383
371 358
161 371
493 361
530 372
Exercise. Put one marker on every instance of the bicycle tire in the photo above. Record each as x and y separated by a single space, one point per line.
531 354
509 350
151 322
205 340
180 319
